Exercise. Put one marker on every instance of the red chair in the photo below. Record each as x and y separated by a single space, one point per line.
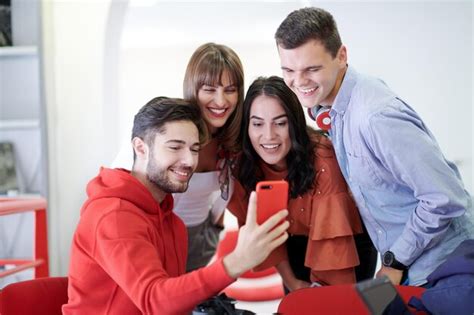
42 296
40 261
336 299
265 285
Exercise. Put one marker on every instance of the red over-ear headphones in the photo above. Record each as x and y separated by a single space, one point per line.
322 118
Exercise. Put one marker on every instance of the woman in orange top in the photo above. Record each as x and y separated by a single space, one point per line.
277 144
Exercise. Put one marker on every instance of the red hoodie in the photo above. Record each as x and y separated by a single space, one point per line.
128 254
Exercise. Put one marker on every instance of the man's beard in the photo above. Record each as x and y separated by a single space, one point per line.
161 180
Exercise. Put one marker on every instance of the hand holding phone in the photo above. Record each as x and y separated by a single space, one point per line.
272 196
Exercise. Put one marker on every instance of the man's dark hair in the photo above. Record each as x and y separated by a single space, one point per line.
152 117
305 24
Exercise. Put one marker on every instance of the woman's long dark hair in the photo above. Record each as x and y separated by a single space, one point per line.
300 158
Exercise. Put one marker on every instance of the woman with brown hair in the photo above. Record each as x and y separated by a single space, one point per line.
214 80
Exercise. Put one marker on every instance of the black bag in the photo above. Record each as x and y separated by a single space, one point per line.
219 305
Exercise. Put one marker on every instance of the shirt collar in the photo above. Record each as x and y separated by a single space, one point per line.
343 95
345 91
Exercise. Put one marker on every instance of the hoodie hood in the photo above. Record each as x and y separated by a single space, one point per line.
119 183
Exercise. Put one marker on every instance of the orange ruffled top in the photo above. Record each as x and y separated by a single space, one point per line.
326 214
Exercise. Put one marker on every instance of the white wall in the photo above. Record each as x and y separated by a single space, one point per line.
423 50
73 54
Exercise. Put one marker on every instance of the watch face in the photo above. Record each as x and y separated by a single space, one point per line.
387 259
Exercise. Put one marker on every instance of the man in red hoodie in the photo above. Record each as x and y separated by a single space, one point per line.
129 250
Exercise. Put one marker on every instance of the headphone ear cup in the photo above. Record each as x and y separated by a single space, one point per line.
323 120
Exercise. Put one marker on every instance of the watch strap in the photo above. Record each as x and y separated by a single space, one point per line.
395 264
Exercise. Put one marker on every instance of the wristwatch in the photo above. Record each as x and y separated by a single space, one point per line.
388 260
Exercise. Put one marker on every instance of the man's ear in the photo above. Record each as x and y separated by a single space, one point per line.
342 56
140 147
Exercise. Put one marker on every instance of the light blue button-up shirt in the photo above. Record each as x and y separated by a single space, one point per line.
411 199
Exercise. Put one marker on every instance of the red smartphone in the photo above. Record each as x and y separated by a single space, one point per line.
272 196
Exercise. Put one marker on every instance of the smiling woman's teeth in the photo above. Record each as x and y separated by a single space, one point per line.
270 146
217 111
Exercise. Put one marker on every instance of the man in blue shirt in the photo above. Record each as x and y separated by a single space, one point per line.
411 199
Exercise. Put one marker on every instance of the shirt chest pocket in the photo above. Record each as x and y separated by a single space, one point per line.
362 171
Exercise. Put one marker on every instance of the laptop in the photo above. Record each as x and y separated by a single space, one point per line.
381 298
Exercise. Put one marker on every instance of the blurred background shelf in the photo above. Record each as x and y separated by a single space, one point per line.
18 51
9 124
22 124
